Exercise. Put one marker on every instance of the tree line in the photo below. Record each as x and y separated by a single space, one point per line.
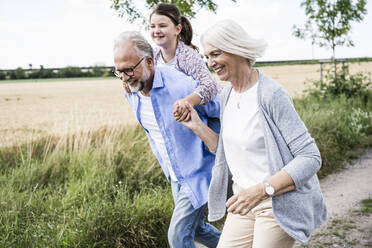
66 72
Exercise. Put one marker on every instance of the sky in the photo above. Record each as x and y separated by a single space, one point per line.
59 33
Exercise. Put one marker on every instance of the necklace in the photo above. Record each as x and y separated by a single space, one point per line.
238 97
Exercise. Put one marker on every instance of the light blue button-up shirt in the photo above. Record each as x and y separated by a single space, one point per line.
190 158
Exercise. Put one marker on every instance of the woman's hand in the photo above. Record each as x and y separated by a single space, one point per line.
207 135
246 199
193 121
180 111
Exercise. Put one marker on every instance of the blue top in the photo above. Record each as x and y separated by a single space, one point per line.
191 160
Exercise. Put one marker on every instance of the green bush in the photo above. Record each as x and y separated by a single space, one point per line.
47 73
338 113
70 71
19 73
339 125
2 75
344 83
42 73
97 71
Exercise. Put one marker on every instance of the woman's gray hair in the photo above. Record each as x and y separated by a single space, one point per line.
229 36
142 46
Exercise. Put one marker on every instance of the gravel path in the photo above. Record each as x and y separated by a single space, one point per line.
343 192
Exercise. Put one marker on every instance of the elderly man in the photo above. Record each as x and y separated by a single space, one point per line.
182 155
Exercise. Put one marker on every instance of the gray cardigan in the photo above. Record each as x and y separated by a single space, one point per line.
289 146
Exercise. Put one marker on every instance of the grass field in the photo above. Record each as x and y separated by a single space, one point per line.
30 109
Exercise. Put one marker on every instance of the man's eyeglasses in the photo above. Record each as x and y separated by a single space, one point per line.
127 71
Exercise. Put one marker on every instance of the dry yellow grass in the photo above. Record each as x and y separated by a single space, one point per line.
33 109
292 77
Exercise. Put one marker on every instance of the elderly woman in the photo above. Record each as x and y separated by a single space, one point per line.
263 145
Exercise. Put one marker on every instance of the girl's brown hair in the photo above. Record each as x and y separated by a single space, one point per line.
172 12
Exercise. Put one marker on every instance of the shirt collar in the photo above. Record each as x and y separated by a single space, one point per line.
158 80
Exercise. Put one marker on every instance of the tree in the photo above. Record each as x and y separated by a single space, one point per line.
19 73
329 22
2 75
70 71
188 8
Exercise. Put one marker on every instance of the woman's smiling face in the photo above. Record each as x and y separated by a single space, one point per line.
224 64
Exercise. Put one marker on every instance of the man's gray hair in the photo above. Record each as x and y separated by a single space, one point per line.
229 36
143 48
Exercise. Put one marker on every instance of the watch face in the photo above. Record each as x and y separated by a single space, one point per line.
270 190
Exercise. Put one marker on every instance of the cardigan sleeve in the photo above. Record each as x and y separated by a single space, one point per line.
192 64
306 156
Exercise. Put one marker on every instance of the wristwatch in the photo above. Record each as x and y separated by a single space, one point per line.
270 191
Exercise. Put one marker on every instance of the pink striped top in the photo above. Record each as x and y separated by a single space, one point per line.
191 63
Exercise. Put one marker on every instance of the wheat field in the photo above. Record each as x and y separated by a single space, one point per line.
30 109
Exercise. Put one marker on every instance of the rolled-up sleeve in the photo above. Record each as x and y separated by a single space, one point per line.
192 64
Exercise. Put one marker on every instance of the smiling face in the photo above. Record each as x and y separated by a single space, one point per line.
163 31
224 64
125 57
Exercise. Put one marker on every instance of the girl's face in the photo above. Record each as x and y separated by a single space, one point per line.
163 31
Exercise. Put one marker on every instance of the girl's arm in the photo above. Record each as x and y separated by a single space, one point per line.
192 64
197 68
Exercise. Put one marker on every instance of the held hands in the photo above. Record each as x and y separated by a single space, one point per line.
194 120
180 111
207 135
246 199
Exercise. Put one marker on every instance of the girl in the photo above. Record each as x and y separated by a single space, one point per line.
173 33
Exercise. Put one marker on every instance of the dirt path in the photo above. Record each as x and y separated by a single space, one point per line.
343 191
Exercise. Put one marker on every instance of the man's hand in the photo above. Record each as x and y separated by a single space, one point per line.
193 121
180 111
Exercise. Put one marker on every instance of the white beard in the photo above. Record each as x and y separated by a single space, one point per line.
136 87
141 82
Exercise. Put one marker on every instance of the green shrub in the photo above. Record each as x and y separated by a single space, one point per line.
338 125
47 73
2 75
70 71
344 83
19 73
97 71
338 113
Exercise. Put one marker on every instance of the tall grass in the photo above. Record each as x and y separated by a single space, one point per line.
94 189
